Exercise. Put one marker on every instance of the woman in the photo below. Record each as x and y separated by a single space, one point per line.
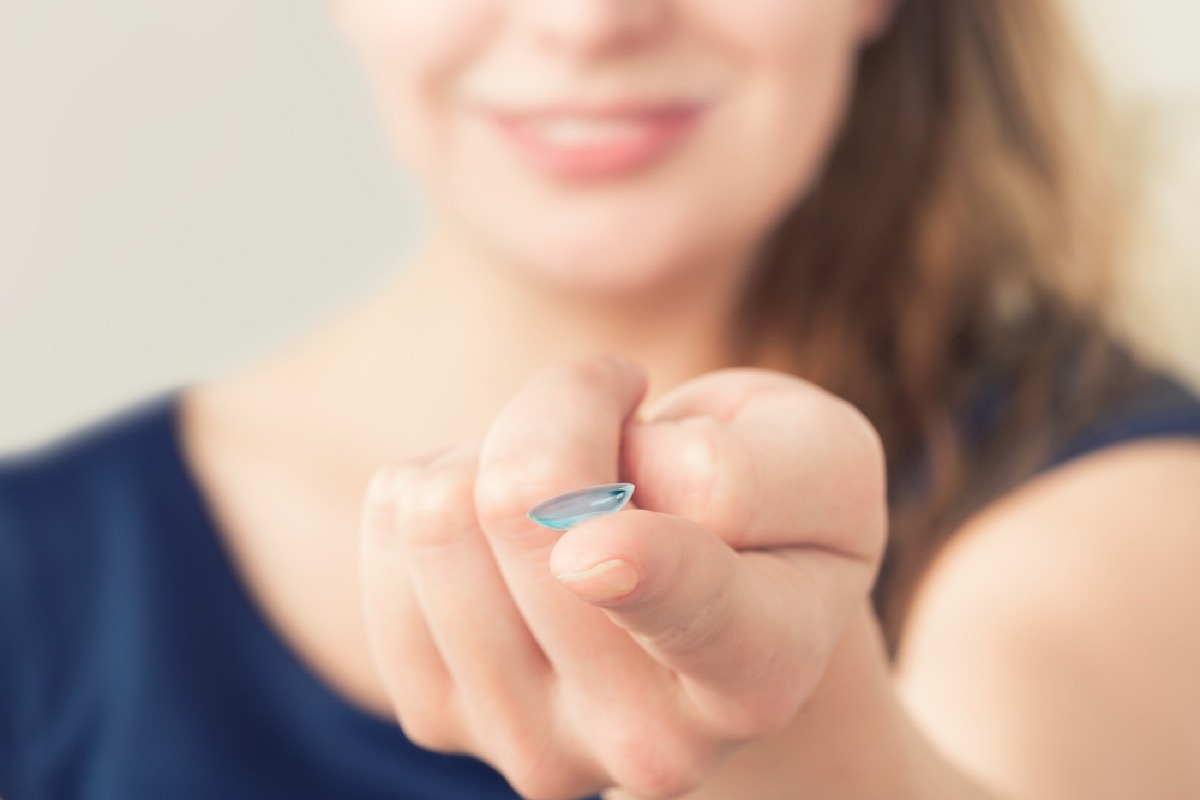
849 251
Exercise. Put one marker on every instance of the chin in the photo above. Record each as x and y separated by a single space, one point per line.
618 245
620 280
621 267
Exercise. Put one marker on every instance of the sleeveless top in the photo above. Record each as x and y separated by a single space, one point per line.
133 663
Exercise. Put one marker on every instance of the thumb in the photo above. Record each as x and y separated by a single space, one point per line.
742 631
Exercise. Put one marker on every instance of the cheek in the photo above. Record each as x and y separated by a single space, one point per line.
799 57
410 31
412 51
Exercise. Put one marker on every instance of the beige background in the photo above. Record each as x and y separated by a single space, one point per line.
183 186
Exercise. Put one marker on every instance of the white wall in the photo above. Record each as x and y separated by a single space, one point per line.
1148 52
185 185
1145 45
181 185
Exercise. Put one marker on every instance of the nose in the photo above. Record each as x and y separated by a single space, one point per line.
593 27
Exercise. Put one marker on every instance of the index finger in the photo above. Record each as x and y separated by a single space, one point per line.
764 459
768 461
560 433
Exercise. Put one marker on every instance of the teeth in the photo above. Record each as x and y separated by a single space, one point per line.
580 131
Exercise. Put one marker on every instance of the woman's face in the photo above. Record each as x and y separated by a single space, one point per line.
611 144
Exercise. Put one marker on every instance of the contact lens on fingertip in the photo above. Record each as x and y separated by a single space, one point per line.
568 510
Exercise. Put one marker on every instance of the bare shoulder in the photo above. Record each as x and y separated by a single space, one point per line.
1053 647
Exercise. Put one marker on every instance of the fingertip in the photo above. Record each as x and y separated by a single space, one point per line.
607 560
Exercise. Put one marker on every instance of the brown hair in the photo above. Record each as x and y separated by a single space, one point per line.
949 272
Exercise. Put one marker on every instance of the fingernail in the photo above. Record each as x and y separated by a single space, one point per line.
568 510
609 580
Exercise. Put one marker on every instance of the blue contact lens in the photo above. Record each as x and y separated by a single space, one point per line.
570 509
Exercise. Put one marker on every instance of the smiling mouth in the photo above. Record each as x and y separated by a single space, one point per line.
593 143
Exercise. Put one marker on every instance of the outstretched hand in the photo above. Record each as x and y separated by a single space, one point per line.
638 649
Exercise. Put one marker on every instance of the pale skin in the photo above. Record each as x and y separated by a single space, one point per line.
1051 651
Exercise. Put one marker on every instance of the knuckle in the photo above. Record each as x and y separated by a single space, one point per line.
433 500
435 738
762 713
379 484
379 504
537 772
541 786
507 489
720 477
654 764
588 372
698 469
388 486
700 456
430 727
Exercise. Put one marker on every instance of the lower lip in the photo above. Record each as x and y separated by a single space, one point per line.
659 135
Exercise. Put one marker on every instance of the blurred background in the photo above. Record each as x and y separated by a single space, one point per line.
185 187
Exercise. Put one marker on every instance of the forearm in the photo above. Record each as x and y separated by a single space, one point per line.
853 739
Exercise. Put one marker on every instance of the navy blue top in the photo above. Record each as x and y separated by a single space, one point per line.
133 663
